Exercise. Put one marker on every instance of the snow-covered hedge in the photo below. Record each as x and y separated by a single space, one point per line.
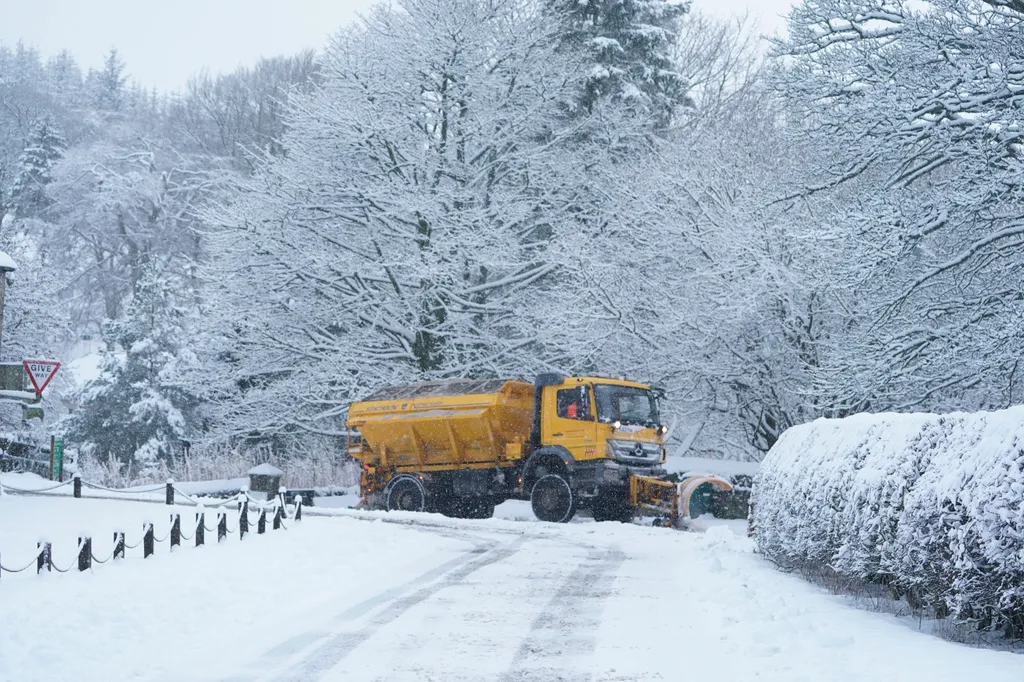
932 505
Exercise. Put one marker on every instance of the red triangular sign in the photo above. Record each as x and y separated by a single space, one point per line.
40 372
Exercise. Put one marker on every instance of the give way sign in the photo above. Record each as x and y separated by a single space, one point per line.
40 372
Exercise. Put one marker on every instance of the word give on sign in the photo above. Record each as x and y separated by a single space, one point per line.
40 372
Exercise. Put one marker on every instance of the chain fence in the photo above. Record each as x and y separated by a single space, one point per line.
247 506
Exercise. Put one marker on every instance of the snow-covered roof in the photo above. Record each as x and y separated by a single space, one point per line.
718 467
265 469
7 263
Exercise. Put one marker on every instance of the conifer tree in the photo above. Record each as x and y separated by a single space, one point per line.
136 411
630 43
45 147
108 85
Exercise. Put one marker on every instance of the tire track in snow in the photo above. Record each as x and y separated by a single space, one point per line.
298 642
337 647
564 634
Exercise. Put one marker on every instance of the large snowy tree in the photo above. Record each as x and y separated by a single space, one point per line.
405 234
920 107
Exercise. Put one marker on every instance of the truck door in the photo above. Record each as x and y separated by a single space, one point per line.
573 425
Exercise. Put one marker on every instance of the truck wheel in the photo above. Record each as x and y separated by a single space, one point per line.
406 494
552 499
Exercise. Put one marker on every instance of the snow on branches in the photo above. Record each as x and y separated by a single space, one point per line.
405 233
919 105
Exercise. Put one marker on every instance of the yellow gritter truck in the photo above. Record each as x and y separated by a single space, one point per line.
459 447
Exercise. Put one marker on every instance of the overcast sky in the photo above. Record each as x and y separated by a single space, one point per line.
165 42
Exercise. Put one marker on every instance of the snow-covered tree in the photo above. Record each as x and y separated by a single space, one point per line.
405 234
919 105
242 114
108 85
64 78
121 202
27 196
137 411
629 44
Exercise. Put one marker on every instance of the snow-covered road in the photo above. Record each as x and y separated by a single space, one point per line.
419 597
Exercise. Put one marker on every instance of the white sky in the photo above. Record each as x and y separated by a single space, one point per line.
164 42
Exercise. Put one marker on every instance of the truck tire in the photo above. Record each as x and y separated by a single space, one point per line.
552 499
406 494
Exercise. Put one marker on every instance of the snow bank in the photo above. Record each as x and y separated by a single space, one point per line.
932 505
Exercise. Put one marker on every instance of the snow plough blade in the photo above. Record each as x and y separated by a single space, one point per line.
668 501
655 496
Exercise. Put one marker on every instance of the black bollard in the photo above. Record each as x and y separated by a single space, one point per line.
84 554
261 523
175 530
148 541
169 492
243 520
118 545
77 484
200 530
43 558
222 526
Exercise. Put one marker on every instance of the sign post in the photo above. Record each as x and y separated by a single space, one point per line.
56 458
40 372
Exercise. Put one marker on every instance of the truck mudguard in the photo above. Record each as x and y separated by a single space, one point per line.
563 455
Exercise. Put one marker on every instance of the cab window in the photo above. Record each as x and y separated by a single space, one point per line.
573 403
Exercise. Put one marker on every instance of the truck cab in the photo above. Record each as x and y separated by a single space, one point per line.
593 433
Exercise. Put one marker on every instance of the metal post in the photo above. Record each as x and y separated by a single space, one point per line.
84 554
118 545
243 520
175 530
261 524
43 559
147 541
200 529
222 526
77 485
298 508
169 492
278 515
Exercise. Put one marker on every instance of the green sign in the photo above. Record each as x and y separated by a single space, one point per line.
57 458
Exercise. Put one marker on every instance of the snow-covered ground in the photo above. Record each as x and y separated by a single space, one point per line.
375 596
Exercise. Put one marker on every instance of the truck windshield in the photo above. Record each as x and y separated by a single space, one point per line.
626 404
